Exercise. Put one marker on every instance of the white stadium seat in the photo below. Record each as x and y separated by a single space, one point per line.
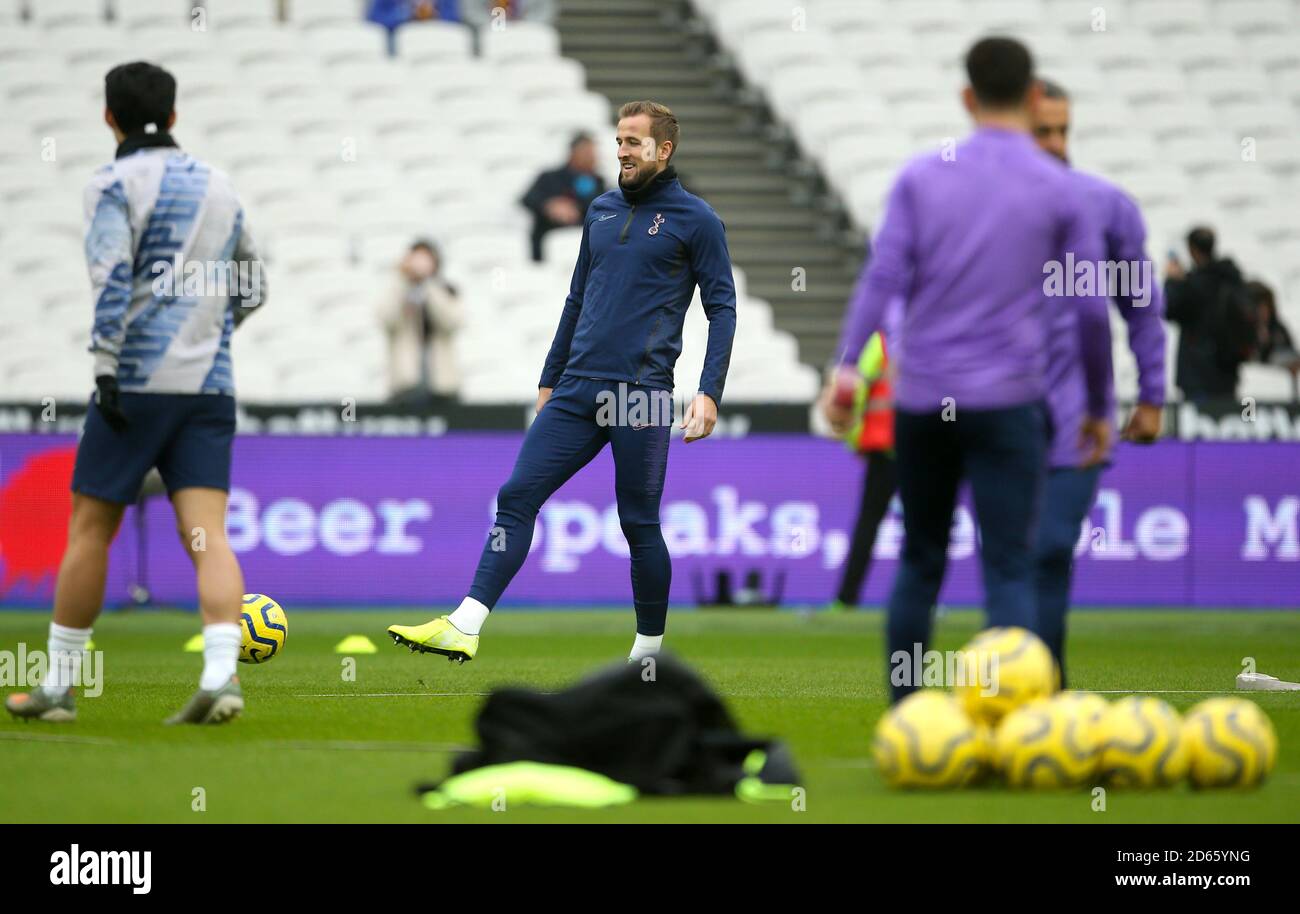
1255 16
168 45
519 41
876 47
202 78
1156 187
942 51
1278 225
239 13
1265 382
435 42
1203 151
364 42
1155 86
866 199
1100 118
1114 153
1052 47
268 44
765 51
358 78
852 17
932 15
899 84
1270 117
50 14
317 12
739 18
83 42
541 78
132 13
1244 186
281 76
1007 16
1166 119
1274 51
576 110
792 87
1203 50
308 254
1119 50
932 122
818 123
847 156
561 246
1230 85
1165 17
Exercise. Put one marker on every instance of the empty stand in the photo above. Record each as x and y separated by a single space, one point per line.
1189 105
343 154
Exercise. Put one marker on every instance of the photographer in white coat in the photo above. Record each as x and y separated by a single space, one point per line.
421 314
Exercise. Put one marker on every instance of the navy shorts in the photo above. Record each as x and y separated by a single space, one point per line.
188 437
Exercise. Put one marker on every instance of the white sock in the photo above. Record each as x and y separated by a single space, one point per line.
66 646
469 616
645 646
221 642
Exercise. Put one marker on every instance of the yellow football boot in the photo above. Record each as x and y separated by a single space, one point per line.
436 637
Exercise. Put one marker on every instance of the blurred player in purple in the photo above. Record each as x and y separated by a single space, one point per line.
968 235
1132 285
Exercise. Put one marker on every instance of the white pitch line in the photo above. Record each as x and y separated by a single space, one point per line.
846 763
1164 691
387 694
58 738
364 745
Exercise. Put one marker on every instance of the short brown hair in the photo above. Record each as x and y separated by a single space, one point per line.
663 123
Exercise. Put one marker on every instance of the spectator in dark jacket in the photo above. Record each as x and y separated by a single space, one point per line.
1210 306
1273 342
560 198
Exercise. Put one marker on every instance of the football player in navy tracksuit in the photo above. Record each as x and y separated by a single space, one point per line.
609 378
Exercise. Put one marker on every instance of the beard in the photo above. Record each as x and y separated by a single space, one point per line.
640 179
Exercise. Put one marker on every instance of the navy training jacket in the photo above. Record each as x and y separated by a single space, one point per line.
640 261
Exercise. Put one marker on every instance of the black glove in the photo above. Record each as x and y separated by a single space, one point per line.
108 400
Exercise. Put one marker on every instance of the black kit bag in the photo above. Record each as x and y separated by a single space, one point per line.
652 724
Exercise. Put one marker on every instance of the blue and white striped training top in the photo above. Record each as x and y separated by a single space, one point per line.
158 328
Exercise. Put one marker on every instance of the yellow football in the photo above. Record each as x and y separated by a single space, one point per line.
1002 669
927 741
1232 743
1142 744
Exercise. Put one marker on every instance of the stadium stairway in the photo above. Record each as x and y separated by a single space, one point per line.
779 213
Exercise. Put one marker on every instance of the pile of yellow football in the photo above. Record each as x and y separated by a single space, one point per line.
1005 718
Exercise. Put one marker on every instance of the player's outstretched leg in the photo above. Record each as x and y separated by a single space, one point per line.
78 597
201 523
562 440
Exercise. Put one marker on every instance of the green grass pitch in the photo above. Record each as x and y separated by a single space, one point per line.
315 747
